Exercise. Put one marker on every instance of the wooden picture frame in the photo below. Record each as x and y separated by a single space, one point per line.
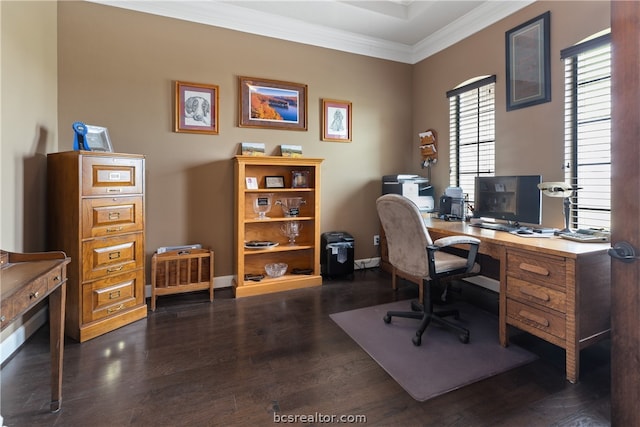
336 120
528 63
274 181
272 104
300 179
196 108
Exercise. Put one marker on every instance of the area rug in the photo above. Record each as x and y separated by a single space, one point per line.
442 363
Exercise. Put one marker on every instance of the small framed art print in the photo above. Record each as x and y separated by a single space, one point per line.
274 181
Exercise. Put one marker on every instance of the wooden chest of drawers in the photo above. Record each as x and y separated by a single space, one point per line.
563 300
96 215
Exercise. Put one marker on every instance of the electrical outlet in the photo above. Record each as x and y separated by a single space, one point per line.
376 240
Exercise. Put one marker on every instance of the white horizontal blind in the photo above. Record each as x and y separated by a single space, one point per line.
472 133
588 132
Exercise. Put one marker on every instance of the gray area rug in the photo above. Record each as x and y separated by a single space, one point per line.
442 363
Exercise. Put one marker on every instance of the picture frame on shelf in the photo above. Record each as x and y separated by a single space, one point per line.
196 108
274 181
528 63
252 148
97 139
272 104
336 120
299 179
252 183
291 150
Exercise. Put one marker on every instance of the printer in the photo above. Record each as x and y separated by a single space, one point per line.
414 187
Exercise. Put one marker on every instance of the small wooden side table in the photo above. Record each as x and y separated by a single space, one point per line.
180 271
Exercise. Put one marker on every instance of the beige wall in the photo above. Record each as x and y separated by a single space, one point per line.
28 130
528 140
29 119
125 83
116 67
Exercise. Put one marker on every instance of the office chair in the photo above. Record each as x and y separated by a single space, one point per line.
411 250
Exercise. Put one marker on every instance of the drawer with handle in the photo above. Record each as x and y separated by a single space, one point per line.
545 270
108 216
110 256
111 295
103 175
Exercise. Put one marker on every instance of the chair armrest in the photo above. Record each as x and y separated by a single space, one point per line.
456 240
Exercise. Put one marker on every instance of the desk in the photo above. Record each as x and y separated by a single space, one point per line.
27 279
553 288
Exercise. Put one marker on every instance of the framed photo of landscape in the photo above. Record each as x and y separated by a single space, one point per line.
528 64
272 104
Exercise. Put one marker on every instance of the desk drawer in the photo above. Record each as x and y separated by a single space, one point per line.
535 320
109 216
111 296
29 295
112 256
531 267
531 293
111 175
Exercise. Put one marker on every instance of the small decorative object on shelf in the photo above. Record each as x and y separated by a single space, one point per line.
292 230
262 205
274 181
299 179
276 269
291 206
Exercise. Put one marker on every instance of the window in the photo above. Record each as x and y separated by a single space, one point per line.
472 133
588 131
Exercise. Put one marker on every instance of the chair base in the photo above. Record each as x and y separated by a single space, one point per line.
428 317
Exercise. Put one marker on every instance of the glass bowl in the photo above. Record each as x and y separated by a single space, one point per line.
276 269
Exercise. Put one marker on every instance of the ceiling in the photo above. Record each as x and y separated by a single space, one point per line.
399 30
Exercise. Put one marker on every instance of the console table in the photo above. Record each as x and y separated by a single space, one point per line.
27 279
556 289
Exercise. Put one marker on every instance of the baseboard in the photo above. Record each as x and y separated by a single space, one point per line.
18 337
485 282
361 264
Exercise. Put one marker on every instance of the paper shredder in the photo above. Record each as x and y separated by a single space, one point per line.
337 254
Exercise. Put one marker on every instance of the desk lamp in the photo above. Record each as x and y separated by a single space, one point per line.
559 189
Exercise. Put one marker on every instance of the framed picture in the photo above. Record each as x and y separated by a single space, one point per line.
336 120
300 179
272 104
97 139
528 66
252 149
196 108
274 181
291 150
252 183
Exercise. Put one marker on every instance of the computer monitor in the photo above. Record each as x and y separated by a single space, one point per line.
515 198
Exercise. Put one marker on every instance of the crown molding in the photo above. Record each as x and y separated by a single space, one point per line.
227 15
479 18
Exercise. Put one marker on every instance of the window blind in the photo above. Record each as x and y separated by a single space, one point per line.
588 131
472 133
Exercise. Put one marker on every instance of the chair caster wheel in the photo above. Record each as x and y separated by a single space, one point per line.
464 338
387 319
416 341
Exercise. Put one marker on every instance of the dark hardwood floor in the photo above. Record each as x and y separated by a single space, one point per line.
234 362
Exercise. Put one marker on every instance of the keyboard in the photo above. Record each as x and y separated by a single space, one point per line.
495 226
586 236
